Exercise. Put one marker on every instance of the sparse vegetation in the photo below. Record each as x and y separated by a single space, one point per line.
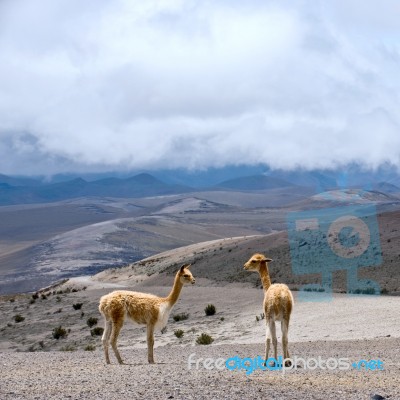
59 333
92 321
210 309
204 339
68 347
36 347
314 289
90 347
369 290
98 331
77 306
180 317
178 333
260 317
19 318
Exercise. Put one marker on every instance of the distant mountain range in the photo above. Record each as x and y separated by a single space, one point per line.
26 190
15 190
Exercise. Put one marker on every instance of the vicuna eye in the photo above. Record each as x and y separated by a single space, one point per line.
253 261
186 276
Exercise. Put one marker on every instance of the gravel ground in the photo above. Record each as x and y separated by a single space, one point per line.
84 375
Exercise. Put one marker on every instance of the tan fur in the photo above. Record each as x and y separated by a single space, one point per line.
278 304
142 308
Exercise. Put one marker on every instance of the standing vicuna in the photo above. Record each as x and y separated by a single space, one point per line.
142 308
278 304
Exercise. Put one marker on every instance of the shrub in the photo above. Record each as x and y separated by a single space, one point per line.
210 310
262 316
97 331
77 306
204 339
19 318
178 333
59 332
90 347
92 321
180 317
68 347
369 290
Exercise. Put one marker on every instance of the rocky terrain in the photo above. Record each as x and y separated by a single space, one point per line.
61 327
50 339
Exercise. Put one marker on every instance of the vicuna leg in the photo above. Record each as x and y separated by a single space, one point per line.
116 329
267 342
270 334
285 328
106 339
150 343
272 329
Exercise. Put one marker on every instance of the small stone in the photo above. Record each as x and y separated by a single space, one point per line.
377 397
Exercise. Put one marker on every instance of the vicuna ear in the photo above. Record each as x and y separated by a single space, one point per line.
266 259
184 266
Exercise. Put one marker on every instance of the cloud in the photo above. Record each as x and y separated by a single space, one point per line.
145 85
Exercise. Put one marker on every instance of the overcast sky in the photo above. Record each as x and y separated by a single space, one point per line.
100 85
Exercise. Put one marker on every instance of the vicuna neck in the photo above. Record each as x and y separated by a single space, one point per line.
264 275
175 291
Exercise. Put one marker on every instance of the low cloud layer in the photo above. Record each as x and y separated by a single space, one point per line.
101 85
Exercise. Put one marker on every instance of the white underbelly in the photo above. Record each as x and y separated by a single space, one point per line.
163 316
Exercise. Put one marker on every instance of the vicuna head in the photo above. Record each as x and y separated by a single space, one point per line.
256 261
185 276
